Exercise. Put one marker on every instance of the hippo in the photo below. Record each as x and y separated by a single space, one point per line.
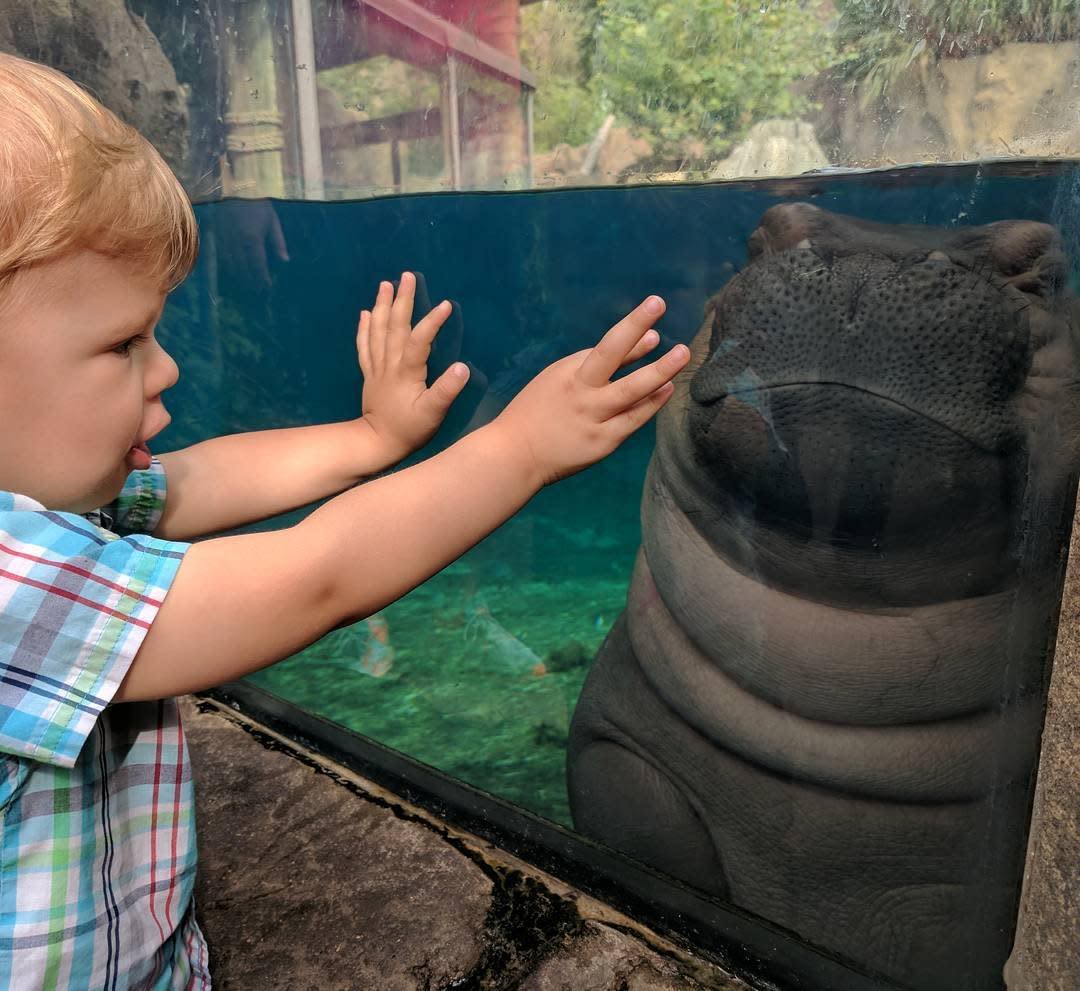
823 700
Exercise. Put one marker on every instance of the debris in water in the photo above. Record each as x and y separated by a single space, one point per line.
498 642
378 656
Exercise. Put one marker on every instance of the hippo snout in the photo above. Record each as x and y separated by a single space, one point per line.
929 335
861 389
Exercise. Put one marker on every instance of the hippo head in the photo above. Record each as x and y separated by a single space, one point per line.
882 389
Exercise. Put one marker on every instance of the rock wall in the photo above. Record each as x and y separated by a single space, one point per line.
110 51
1022 99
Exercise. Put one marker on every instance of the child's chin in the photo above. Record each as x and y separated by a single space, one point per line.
110 488
103 495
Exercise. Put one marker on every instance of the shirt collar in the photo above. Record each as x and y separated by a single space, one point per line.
12 501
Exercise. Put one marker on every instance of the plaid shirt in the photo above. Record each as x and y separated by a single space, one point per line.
97 840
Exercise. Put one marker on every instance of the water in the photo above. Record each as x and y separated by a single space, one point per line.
478 672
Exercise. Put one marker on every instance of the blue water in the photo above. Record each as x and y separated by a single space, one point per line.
553 268
477 672
533 276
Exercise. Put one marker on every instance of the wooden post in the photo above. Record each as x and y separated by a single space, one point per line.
307 101
530 148
451 120
253 134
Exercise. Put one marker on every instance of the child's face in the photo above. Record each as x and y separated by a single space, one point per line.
81 378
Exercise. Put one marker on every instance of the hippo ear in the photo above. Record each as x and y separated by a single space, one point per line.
783 227
1029 256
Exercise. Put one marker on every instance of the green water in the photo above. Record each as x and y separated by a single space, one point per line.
488 657
464 693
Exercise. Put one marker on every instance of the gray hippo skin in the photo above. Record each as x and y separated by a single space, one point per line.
823 700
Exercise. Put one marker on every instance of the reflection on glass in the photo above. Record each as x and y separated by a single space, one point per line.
381 128
358 98
493 146
414 98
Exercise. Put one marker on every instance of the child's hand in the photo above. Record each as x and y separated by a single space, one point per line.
397 404
572 415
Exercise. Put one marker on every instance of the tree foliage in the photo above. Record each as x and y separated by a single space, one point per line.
554 38
694 75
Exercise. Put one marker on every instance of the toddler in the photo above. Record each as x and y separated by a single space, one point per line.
108 611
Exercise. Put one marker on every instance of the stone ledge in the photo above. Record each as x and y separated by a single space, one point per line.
312 877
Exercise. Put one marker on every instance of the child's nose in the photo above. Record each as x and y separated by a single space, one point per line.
163 372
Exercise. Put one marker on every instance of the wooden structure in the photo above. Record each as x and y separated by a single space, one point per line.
286 135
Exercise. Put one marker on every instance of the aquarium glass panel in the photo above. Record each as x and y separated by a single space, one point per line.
788 647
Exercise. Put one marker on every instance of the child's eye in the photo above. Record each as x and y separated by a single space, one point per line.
126 347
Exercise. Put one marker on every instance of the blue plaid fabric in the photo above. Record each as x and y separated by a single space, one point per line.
97 841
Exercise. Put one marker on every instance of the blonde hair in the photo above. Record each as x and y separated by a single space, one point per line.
73 175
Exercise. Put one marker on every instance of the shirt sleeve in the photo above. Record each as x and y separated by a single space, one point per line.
76 602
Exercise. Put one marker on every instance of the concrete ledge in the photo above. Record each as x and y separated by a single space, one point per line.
312 877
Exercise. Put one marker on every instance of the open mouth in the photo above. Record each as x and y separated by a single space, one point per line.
757 388
747 392
138 457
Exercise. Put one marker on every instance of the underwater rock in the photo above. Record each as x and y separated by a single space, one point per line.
568 657
824 698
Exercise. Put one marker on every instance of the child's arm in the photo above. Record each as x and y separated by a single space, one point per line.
240 603
228 481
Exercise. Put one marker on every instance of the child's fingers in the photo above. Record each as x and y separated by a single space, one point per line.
363 342
631 390
643 411
401 312
380 320
447 387
421 299
424 333
609 354
642 348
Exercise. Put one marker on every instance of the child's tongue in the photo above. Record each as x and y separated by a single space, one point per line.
138 458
